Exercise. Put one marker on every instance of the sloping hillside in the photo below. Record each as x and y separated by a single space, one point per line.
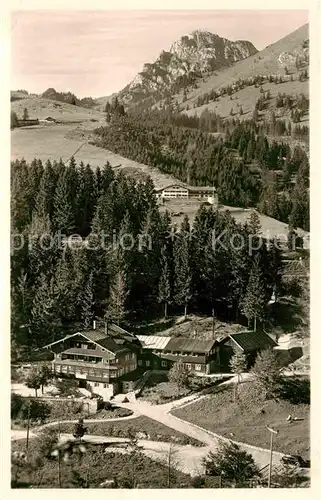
273 60
41 108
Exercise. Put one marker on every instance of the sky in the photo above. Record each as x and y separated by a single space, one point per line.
98 53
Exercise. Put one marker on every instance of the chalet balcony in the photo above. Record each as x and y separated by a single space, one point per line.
83 370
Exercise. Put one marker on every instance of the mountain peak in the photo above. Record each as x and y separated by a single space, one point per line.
190 57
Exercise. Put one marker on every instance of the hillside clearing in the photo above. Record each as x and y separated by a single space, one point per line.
246 99
65 140
270 228
41 108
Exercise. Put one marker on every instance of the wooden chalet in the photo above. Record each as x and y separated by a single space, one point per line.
99 358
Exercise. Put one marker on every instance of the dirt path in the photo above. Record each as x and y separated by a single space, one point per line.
190 456
161 413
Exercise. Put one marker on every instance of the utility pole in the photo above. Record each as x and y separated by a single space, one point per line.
272 432
28 424
169 466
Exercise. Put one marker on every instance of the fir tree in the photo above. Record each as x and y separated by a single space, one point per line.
13 120
25 115
88 303
80 429
34 380
266 373
85 199
45 320
64 287
164 286
64 213
45 197
183 273
254 301
254 224
116 311
238 365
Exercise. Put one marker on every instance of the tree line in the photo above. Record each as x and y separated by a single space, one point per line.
237 162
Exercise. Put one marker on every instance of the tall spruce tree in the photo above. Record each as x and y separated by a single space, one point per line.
164 285
45 197
65 291
88 303
254 301
116 310
183 272
85 199
64 216
45 314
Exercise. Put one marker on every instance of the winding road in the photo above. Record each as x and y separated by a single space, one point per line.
187 458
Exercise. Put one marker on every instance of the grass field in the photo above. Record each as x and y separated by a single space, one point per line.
41 108
270 228
246 420
69 139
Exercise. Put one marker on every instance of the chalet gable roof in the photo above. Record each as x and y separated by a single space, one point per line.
251 341
113 339
183 344
167 186
189 188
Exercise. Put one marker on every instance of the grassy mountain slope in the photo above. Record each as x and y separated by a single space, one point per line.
41 108
271 60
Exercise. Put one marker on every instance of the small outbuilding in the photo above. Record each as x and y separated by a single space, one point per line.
249 343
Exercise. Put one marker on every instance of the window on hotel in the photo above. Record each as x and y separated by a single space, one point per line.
198 368
96 384
188 365
164 363
133 355
147 362
140 362
105 386
84 346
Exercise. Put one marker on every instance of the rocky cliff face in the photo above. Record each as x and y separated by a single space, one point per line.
190 57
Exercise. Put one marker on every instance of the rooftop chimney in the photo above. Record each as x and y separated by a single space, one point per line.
94 324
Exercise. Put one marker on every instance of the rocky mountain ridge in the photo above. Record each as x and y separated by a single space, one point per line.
188 58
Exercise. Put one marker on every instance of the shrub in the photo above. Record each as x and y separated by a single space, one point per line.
20 407
66 387
232 463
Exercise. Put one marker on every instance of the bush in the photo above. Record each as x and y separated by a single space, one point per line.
67 386
232 463
20 408
198 482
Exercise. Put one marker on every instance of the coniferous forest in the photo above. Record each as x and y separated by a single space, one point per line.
131 260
